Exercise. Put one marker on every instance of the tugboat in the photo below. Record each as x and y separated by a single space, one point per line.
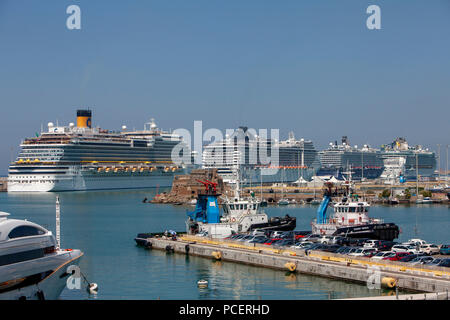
239 215
351 219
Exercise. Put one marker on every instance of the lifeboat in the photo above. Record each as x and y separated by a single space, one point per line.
152 169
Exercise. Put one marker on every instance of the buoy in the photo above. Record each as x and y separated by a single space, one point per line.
290 266
92 288
202 283
217 255
389 282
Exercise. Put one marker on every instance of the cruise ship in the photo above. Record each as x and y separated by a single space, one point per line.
370 163
425 159
80 157
364 163
238 157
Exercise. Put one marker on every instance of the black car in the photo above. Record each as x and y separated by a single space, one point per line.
444 263
331 248
360 242
284 243
410 257
343 250
383 245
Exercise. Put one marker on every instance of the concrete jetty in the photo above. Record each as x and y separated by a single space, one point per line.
355 269
3 184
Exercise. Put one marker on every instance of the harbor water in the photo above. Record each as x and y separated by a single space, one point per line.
103 225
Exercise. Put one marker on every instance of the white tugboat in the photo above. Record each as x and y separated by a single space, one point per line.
239 215
351 219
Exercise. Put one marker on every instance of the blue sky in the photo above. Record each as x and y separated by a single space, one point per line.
308 66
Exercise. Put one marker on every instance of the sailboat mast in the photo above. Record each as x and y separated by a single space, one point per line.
417 176
58 224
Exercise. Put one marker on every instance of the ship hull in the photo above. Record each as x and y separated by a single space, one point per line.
279 224
86 181
382 231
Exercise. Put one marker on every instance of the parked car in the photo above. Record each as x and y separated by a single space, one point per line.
404 248
272 241
371 243
444 263
258 239
311 237
245 238
411 257
416 242
284 243
422 260
316 246
360 242
383 254
385 245
445 249
325 239
302 245
301 234
435 262
429 248
343 250
396 256
331 248
363 252
338 240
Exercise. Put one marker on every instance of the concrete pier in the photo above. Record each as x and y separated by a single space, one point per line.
361 270
3 184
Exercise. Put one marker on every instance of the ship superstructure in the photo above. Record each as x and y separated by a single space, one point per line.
426 159
240 157
364 162
67 158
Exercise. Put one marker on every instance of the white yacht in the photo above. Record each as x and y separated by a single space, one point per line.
32 267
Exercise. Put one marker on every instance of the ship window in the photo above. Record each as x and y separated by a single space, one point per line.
241 207
232 206
352 209
245 206
25 231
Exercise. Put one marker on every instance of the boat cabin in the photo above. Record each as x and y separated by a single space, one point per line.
349 212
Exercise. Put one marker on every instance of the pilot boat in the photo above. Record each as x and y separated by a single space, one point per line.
350 218
32 266
239 215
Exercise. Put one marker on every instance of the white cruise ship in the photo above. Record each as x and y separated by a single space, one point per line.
238 157
76 158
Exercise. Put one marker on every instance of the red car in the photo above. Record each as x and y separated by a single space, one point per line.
272 241
396 256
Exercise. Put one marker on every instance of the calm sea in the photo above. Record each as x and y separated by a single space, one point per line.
103 225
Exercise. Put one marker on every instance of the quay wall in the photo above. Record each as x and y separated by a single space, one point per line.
420 279
3 184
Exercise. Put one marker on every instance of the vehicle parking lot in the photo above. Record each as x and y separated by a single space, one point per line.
412 252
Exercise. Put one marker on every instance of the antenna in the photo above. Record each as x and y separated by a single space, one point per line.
58 224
